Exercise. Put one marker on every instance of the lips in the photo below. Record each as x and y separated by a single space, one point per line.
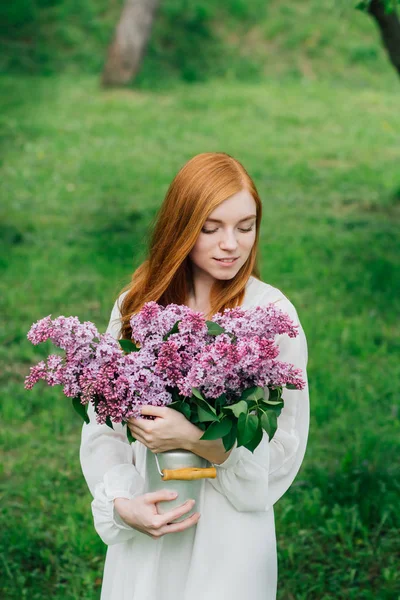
227 260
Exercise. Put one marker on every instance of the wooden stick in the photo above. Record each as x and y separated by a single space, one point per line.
189 474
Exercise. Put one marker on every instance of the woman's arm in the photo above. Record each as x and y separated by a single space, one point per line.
255 481
108 465
212 450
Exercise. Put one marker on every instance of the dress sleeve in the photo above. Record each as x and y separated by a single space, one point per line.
255 481
108 465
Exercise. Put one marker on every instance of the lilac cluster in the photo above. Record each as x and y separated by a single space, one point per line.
153 322
244 355
87 353
95 368
265 321
230 368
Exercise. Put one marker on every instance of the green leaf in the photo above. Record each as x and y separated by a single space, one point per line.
217 430
274 394
182 407
269 422
128 346
273 409
81 409
271 405
290 386
253 394
247 426
194 418
256 439
229 439
197 393
220 401
214 328
205 414
175 404
205 411
174 329
109 423
238 408
129 435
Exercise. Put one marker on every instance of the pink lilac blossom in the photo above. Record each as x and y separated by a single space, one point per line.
64 332
153 321
96 370
231 368
264 321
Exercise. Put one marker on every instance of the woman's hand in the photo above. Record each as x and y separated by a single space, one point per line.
168 431
141 513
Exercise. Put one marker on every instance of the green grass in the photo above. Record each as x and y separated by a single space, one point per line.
244 40
83 174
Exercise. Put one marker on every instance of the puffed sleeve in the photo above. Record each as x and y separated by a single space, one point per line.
108 465
255 481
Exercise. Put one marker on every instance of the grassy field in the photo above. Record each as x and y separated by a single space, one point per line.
83 174
192 41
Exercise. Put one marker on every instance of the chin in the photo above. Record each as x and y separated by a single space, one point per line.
225 276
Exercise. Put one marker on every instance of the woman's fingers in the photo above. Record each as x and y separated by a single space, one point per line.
159 496
182 525
177 512
137 434
142 424
154 411
135 427
141 513
164 525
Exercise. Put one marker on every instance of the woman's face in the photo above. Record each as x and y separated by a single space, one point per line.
228 233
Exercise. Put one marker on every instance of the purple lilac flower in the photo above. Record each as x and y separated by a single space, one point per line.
153 321
264 321
96 370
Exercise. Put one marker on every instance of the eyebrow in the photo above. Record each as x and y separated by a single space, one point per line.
244 219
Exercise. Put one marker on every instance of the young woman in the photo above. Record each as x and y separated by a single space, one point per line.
203 253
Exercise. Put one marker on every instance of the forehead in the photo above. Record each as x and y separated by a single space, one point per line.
238 207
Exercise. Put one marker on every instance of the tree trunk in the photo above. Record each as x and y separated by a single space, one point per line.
129 44
389 26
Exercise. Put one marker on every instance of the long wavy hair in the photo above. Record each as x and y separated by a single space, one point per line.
200 186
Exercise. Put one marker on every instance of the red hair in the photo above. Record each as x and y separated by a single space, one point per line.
200 186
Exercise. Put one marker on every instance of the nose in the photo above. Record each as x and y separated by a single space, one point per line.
228 240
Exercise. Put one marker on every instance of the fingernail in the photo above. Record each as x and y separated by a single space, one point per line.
173 494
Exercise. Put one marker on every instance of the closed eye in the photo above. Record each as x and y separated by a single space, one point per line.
214 230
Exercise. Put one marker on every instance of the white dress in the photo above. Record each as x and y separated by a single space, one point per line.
231 553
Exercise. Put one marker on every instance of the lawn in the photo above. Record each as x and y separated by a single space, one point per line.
82 175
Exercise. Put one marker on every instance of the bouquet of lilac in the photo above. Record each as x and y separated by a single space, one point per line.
214 372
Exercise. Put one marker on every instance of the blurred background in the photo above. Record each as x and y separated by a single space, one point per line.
102 102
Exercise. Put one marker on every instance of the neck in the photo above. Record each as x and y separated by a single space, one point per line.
200 289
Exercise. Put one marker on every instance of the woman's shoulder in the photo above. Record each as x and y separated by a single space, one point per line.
120 299
115 318
261 293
